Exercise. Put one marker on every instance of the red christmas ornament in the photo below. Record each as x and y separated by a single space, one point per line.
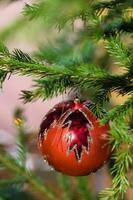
72 140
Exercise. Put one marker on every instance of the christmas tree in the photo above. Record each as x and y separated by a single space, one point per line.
90 56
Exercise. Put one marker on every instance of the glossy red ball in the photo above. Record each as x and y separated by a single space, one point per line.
72 140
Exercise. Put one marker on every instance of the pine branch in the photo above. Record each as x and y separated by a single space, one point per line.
83 188
101 28
100 80
14 193
126 25
14 182
21 56
115 28
48 87
3 50
9 65
109 4
34 10
83 76
122 140
117 49
3 76
20 62
98 107
120 134
107 194
22 137
119 111
48 11
65 183
105 84
17 165
12 165
3 53
62 52
111 24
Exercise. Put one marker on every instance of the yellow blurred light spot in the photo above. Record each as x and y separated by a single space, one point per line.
18 121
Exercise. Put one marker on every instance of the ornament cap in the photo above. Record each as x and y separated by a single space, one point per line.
76 100
77 103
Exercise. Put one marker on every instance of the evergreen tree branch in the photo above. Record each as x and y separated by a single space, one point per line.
83 76
15 181
20 62
106 84
116 49
122 140
109 4
102 27
3 76
51 86
10 191
65 53
48 87
48 10
12 165
34 10
117 27
21 56
22 137
65 183
119 111
3 52
83 188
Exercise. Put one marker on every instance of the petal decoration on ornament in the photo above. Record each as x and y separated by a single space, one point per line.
78 135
